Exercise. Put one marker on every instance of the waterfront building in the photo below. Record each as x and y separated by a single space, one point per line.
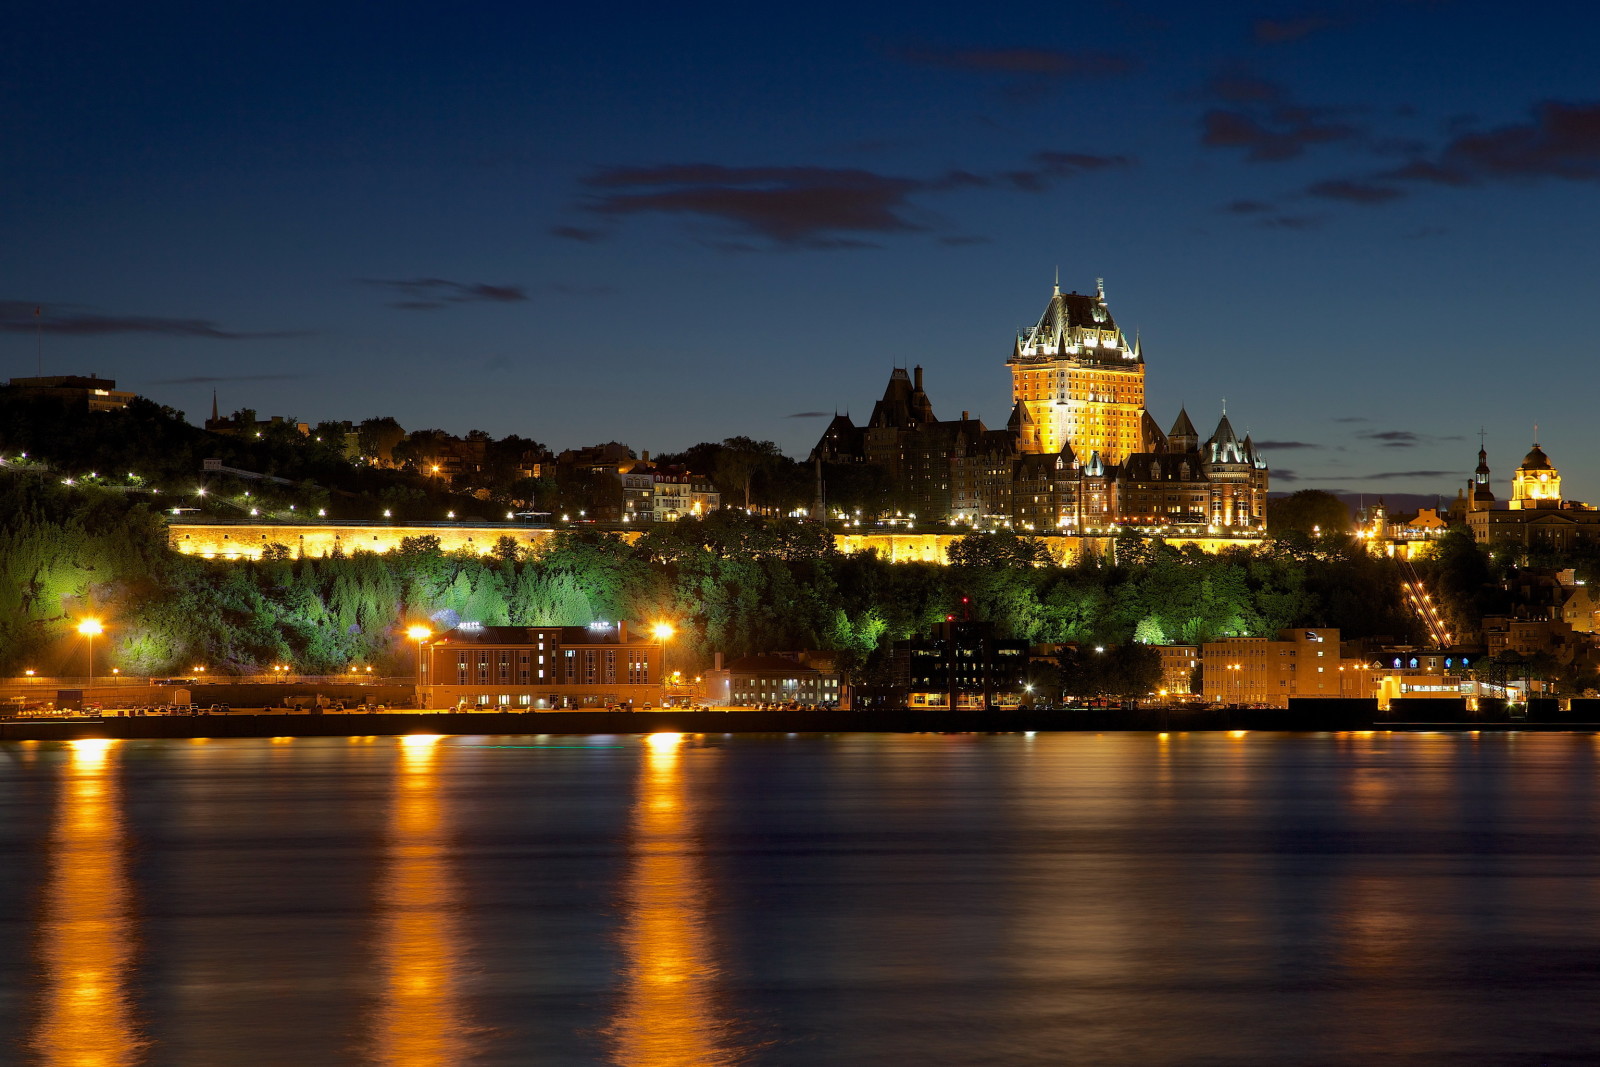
777 678
960 665
1300 663
1178 664
539 668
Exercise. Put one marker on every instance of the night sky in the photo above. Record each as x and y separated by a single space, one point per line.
1371 227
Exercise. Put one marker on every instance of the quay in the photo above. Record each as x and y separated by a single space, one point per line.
1311 715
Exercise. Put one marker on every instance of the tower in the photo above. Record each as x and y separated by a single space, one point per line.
1079 380
1537 483
1481 497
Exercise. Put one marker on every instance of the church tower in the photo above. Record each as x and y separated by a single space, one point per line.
1537 483
1481 497
1079 380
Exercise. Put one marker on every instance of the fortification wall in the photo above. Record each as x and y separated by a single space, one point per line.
247 540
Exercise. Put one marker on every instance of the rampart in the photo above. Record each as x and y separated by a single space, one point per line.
235 541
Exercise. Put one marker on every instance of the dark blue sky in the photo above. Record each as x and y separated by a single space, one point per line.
1370 226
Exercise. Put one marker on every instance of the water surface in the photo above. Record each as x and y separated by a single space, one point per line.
846 899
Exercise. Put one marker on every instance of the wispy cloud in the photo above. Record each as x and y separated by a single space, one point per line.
22 316
1281 31
1024 62
428 294
1385 476
1283 446
1258 118
813 207
209 379
1353 192
578 233
1560 140
807 415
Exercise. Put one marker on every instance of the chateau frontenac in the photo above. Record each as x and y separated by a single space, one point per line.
1080 452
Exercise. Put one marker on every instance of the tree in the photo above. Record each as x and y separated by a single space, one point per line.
1002 548
1308 511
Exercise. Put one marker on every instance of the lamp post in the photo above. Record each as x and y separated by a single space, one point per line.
663 631
419 634
88 628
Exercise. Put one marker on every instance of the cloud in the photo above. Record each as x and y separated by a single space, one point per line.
1284 474
788 205
807 415
578 233
1246 207
207 379
1258 118
1352 192
1281 133
1395 438
806 206
21 316
427 294
1387 476
1280 31
1292 222
1281 446
1560 140
1352 418
1024 62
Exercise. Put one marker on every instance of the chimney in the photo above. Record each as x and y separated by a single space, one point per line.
918 379
622 632
716 661
964 416
644 457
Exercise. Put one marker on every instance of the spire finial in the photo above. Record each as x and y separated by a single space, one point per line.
1224 407
1057 287
1536 435
1100 288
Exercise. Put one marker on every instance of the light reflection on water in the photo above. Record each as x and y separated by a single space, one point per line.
854 899
670 1012
86 940
419 1021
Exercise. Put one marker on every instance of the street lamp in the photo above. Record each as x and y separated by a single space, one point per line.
663 631
88 628
419 634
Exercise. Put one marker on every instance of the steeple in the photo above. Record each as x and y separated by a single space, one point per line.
1183 437
213 405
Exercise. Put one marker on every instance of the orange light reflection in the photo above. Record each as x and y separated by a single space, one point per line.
419 1022
86 937
668 1014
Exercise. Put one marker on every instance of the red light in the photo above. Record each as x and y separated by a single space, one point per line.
949 618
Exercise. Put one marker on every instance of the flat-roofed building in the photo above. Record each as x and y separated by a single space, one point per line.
1302 662
539 668
95 394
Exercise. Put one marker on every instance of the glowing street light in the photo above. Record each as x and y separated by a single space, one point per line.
662 632
419 634
88 628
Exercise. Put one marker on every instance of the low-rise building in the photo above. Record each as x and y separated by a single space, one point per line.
1302 662
1178 663
92 393
960 665
777 678
539 668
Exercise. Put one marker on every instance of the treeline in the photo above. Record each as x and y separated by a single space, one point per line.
730 583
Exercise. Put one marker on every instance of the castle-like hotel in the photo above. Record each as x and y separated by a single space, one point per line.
1080 453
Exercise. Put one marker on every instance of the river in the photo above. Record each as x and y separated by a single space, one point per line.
850 899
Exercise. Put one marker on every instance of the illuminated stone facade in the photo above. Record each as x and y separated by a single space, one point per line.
1536 515
1079 381
1079 454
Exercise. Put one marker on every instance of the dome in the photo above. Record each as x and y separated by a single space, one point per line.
1536 460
